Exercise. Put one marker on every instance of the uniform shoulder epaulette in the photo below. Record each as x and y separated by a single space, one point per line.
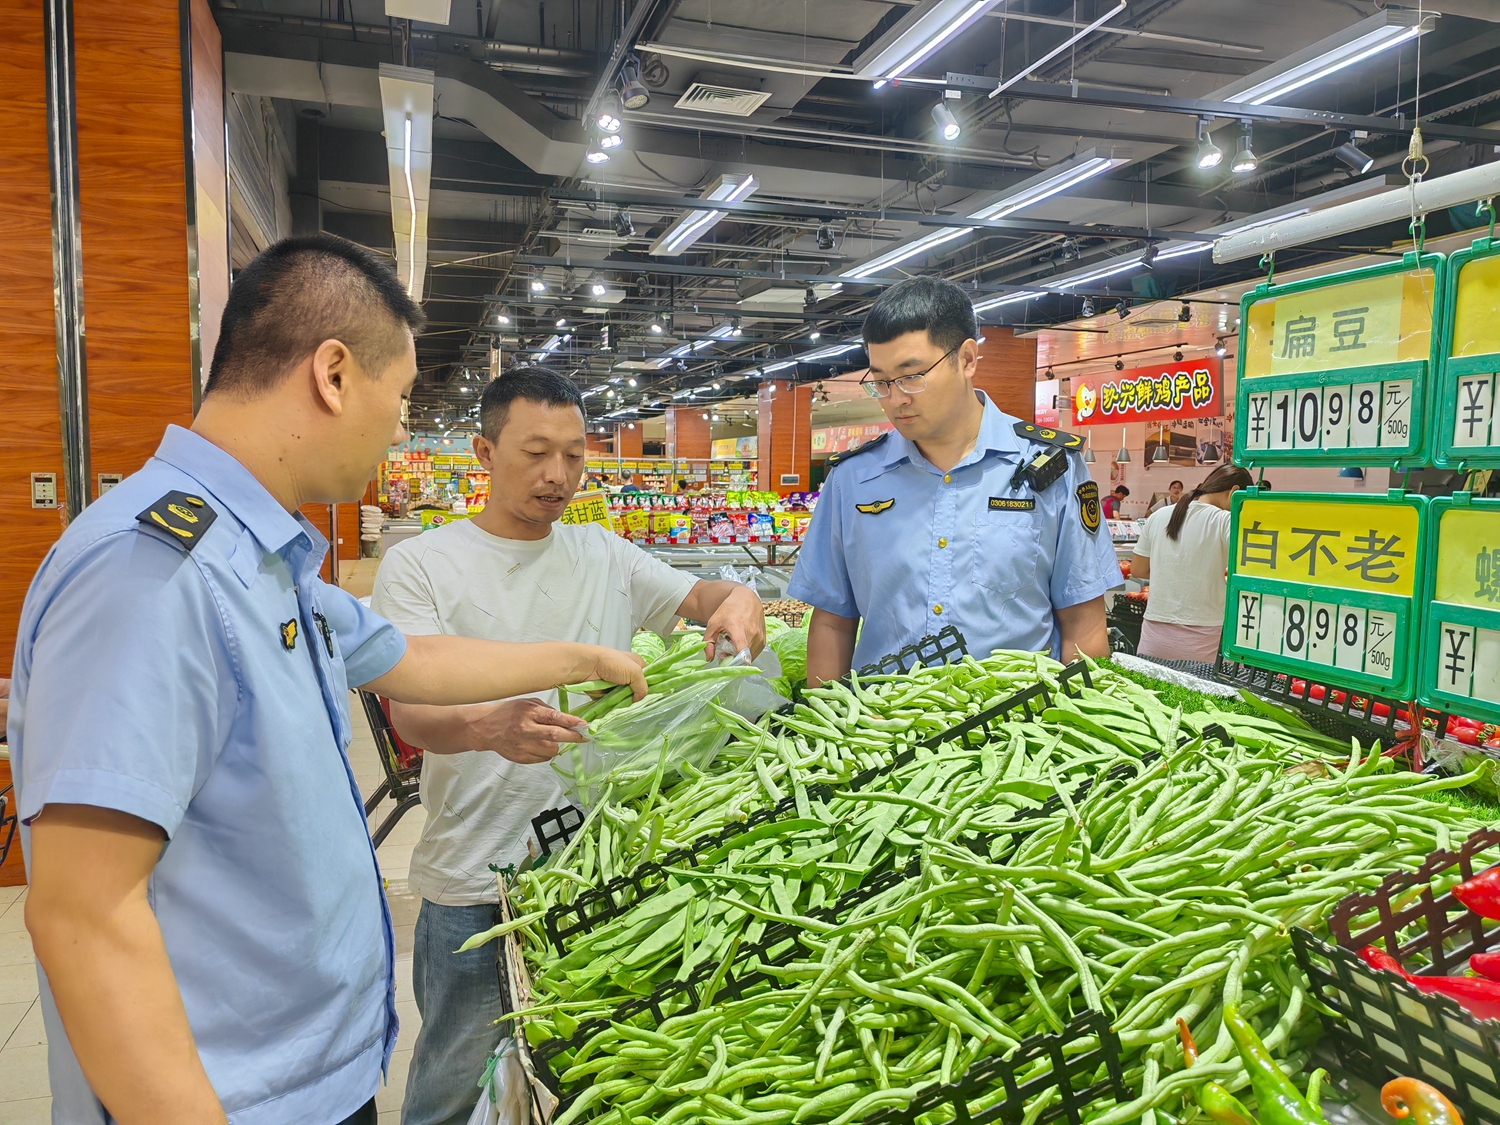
1048 436
183 517
837 459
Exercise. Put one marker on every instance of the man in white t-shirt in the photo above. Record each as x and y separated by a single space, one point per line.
510 573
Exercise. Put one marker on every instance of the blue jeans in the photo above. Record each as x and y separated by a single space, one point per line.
458 995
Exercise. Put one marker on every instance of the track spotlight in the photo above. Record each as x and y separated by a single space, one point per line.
561 322
1119 364
735 329
630 382
947 125
610 117
1356 158
501 317
595 154
825 237
656 328
1148 256
1185 314
1220 349
632 90
624 227
1210 155
809 298
1122 308
1244 158
815 334
1177 356
1088 306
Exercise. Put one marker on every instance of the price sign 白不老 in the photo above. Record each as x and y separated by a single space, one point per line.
1325 587
1336 369
1460 660
1466 395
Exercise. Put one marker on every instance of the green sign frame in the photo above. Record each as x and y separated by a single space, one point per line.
1402 683
1450 369
1435 614
1414 454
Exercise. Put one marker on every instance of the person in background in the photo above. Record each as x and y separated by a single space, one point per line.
1184 551
945 520
627 484
512 572
206 908
1174 494
1113 501
593 481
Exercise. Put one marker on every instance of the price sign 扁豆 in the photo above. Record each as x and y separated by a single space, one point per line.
1336 369
1466 396
1460 661
1325 586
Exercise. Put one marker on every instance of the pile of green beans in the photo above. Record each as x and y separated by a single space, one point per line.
1162 895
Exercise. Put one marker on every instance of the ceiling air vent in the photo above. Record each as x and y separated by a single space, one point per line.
704 98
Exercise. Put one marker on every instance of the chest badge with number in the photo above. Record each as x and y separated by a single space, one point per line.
289 635
1088 504
875 508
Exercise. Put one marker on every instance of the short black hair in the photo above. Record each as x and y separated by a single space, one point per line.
930 304
534 384
1122 490
298 293
1178 483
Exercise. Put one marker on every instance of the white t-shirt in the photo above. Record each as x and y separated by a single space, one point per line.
1187 576
582 583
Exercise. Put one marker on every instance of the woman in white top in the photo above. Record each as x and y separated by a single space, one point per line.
1184 551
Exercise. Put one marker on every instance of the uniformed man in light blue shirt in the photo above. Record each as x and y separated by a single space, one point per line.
963 516
205 905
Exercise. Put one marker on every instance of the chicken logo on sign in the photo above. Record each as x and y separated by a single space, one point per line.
1084 401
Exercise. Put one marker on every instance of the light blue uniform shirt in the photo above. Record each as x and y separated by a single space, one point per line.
941 554
155 681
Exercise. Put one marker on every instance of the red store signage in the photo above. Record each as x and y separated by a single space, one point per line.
1194 389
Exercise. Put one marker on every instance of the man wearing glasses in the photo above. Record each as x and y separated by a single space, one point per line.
963 516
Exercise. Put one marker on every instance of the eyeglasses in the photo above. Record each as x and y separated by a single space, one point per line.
906 384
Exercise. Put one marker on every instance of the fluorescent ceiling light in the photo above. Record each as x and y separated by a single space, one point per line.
1059 49
1356 43
422 11
693 225
918 34
1059 178
1006 299
552 344
406 109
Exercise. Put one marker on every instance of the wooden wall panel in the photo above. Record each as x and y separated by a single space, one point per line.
784 428
628 441
687 432
13 871
209 172
31 438
1007 372
134 222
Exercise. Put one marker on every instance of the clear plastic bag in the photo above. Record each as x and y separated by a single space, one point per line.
646 745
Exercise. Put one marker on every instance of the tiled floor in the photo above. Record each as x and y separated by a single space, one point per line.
24 1098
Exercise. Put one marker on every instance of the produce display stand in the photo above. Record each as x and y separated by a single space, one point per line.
1380 1026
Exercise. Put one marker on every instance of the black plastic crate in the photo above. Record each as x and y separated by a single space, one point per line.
942 647
1382 1026
1076 1076
553 828
1353 714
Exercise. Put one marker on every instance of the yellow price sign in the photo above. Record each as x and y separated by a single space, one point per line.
1353 546
1468 558
1476 308
1359 323
588 507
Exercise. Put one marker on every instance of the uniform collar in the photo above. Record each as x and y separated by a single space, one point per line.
232 484
996 434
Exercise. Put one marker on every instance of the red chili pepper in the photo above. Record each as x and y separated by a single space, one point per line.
1469 736
1486 965
1481 894
1480 998
1338 698
1299 687
1493 742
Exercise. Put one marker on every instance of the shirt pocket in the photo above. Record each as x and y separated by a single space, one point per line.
1007 549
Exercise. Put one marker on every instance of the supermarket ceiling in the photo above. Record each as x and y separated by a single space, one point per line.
763 185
